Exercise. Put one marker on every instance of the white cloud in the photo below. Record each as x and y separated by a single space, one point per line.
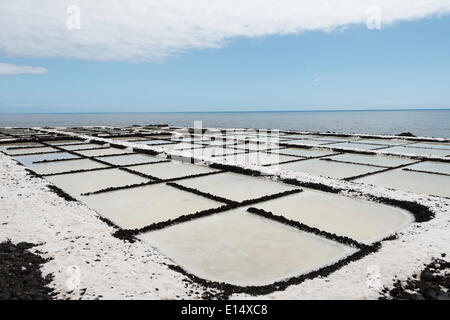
12 69
317 79
149 30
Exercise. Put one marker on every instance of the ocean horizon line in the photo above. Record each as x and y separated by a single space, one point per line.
225 111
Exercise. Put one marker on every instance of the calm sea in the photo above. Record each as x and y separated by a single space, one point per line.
433 123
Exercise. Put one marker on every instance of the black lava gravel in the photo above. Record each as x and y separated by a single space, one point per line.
433 283
20 275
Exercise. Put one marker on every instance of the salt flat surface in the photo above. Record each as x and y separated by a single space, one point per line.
130 159
330 169
431 145
378 160
141 206
385 142
173 169
28 160
256 146
181 146
360 220
300 136
239 248
257 158
235 186
309 153
419 151
336 139
4 147
356 146
101 152
30 150
306 142
77 183
64 166
62 142
399 179
432 166
82 146
151 142
215 151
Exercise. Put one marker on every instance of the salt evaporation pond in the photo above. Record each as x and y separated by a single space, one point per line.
239 248
330 169
308 153
28 160
142 206
235 186
30 150
82 182
427 183
172 169
377 160
130 159
65 166
360 220
419 151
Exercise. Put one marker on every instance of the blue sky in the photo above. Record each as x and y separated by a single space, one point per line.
403 65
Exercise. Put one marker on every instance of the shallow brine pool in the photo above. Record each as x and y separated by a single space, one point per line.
427 183
243 249
236 187
82 182
65 166
130 159
378 160
142 206
173 169
357 219
330 169
101 152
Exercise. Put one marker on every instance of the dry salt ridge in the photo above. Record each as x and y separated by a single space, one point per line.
159 212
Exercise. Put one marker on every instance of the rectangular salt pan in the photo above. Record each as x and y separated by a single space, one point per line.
101 152
142 206
77 183
418 151
306 142
308 153
28 160
256 146
256 158
431 145
130 159
211 152
243 249
377 160
65 166
357 219
173 169
384 142
82 146
426 183
330 169
355 146
152 142
432 166
235 186
63 142
30 150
